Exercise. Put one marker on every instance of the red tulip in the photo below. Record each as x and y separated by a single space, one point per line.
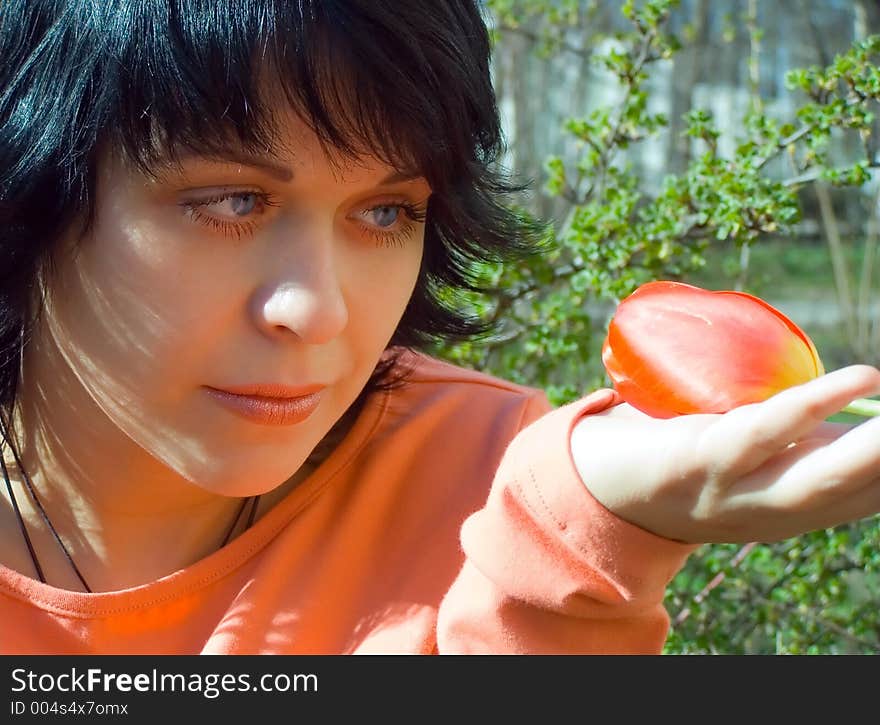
674 349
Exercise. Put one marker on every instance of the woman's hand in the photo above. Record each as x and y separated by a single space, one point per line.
761 472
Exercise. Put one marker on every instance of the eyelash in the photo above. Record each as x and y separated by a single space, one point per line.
412 212
227 228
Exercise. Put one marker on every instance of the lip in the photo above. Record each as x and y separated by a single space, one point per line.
269 404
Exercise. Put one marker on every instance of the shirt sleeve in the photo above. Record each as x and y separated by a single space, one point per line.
548 569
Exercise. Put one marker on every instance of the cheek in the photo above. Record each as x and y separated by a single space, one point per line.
121 313
385 281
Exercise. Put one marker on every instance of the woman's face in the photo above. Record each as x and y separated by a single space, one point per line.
225 274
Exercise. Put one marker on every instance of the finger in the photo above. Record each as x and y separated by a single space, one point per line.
815 484
830 473
785 518
745 438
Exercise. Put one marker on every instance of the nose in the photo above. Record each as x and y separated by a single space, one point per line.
304 295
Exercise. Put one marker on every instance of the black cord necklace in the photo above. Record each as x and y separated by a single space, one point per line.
254 500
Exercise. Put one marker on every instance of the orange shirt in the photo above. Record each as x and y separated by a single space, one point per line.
450 519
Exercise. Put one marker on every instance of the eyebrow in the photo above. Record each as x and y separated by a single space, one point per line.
279 171
231 156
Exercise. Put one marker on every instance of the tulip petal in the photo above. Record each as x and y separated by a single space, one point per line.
674 349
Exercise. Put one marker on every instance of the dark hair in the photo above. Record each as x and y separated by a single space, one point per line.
407 82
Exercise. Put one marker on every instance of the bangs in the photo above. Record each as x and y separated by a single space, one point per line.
368 80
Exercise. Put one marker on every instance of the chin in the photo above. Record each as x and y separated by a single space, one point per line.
238 479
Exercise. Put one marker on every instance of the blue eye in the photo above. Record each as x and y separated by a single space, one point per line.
385 216
391 224
234 205
242 204
233 212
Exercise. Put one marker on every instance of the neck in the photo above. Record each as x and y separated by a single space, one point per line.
118 541
111 545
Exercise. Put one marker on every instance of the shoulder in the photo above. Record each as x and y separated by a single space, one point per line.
445 427
427 370
439 392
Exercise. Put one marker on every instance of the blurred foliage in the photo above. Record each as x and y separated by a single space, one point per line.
816 593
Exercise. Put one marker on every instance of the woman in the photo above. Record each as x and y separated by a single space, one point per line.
228 227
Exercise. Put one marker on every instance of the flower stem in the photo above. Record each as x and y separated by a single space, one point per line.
863 406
